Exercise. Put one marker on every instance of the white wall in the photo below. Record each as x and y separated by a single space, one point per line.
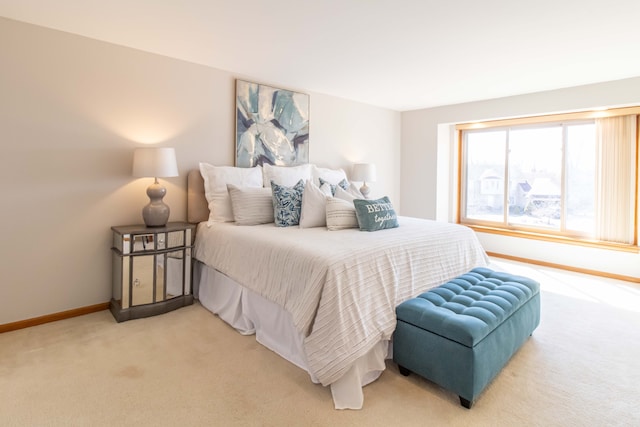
345 132
73 109
429 166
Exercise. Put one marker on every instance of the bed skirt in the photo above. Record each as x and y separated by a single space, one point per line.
250 313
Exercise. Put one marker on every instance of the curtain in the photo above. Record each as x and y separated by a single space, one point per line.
615 178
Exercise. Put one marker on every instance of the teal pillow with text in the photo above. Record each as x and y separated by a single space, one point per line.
374 215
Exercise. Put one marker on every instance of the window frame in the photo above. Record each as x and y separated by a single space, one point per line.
571 237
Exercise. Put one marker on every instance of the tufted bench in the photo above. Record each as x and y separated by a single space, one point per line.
461 334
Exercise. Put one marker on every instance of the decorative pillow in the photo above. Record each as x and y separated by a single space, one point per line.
220 207
354 191
374 215
287 203
326 189
347 195
313 212
340 214
285 175
344 184
251 206
332 176
216 179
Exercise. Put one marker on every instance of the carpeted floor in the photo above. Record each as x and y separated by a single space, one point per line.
187 368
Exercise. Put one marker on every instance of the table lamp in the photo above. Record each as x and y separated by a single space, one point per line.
157 163
364 172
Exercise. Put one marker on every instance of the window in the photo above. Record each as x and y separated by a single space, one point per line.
552 175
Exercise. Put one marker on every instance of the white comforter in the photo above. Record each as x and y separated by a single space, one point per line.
340 287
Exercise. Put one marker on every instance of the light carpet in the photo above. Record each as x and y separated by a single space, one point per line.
581 367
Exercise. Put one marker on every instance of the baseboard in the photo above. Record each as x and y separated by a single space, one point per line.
53 317
568 268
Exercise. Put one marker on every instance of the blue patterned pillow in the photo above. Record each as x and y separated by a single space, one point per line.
287 203
343 184
374 215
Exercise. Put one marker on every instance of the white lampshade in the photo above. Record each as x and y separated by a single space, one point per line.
155 162
365 172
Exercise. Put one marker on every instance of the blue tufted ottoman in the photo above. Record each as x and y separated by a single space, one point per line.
461 334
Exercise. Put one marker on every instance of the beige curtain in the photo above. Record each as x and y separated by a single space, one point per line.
615 178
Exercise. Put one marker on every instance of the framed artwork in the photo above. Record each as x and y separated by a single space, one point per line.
272 126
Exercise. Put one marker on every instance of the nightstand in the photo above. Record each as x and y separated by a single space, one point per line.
151 269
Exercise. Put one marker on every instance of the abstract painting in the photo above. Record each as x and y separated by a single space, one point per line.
272 126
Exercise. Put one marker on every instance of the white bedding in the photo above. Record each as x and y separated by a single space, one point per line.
340 287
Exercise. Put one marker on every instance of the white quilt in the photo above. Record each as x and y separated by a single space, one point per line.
340 287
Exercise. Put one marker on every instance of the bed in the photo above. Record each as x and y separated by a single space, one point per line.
324 300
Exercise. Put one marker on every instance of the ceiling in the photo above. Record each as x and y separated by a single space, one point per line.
396 54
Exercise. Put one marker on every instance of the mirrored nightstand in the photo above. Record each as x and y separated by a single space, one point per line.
151 269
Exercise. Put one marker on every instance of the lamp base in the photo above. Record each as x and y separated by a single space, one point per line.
365 190
156 213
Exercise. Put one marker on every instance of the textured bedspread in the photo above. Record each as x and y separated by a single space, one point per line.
340 287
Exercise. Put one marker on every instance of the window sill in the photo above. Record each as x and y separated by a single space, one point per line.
555 239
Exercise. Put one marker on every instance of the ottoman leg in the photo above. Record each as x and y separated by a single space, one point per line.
404 371
464 402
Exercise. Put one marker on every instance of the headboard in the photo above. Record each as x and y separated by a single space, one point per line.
197 207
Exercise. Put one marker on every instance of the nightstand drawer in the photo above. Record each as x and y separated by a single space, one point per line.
127 243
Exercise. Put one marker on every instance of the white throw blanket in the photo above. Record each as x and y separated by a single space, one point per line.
340 287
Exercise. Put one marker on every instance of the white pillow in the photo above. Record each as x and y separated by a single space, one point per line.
354 191
314 200
340 214
326 189
216 179
251 205
287 176
220 208
332 176
349 195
